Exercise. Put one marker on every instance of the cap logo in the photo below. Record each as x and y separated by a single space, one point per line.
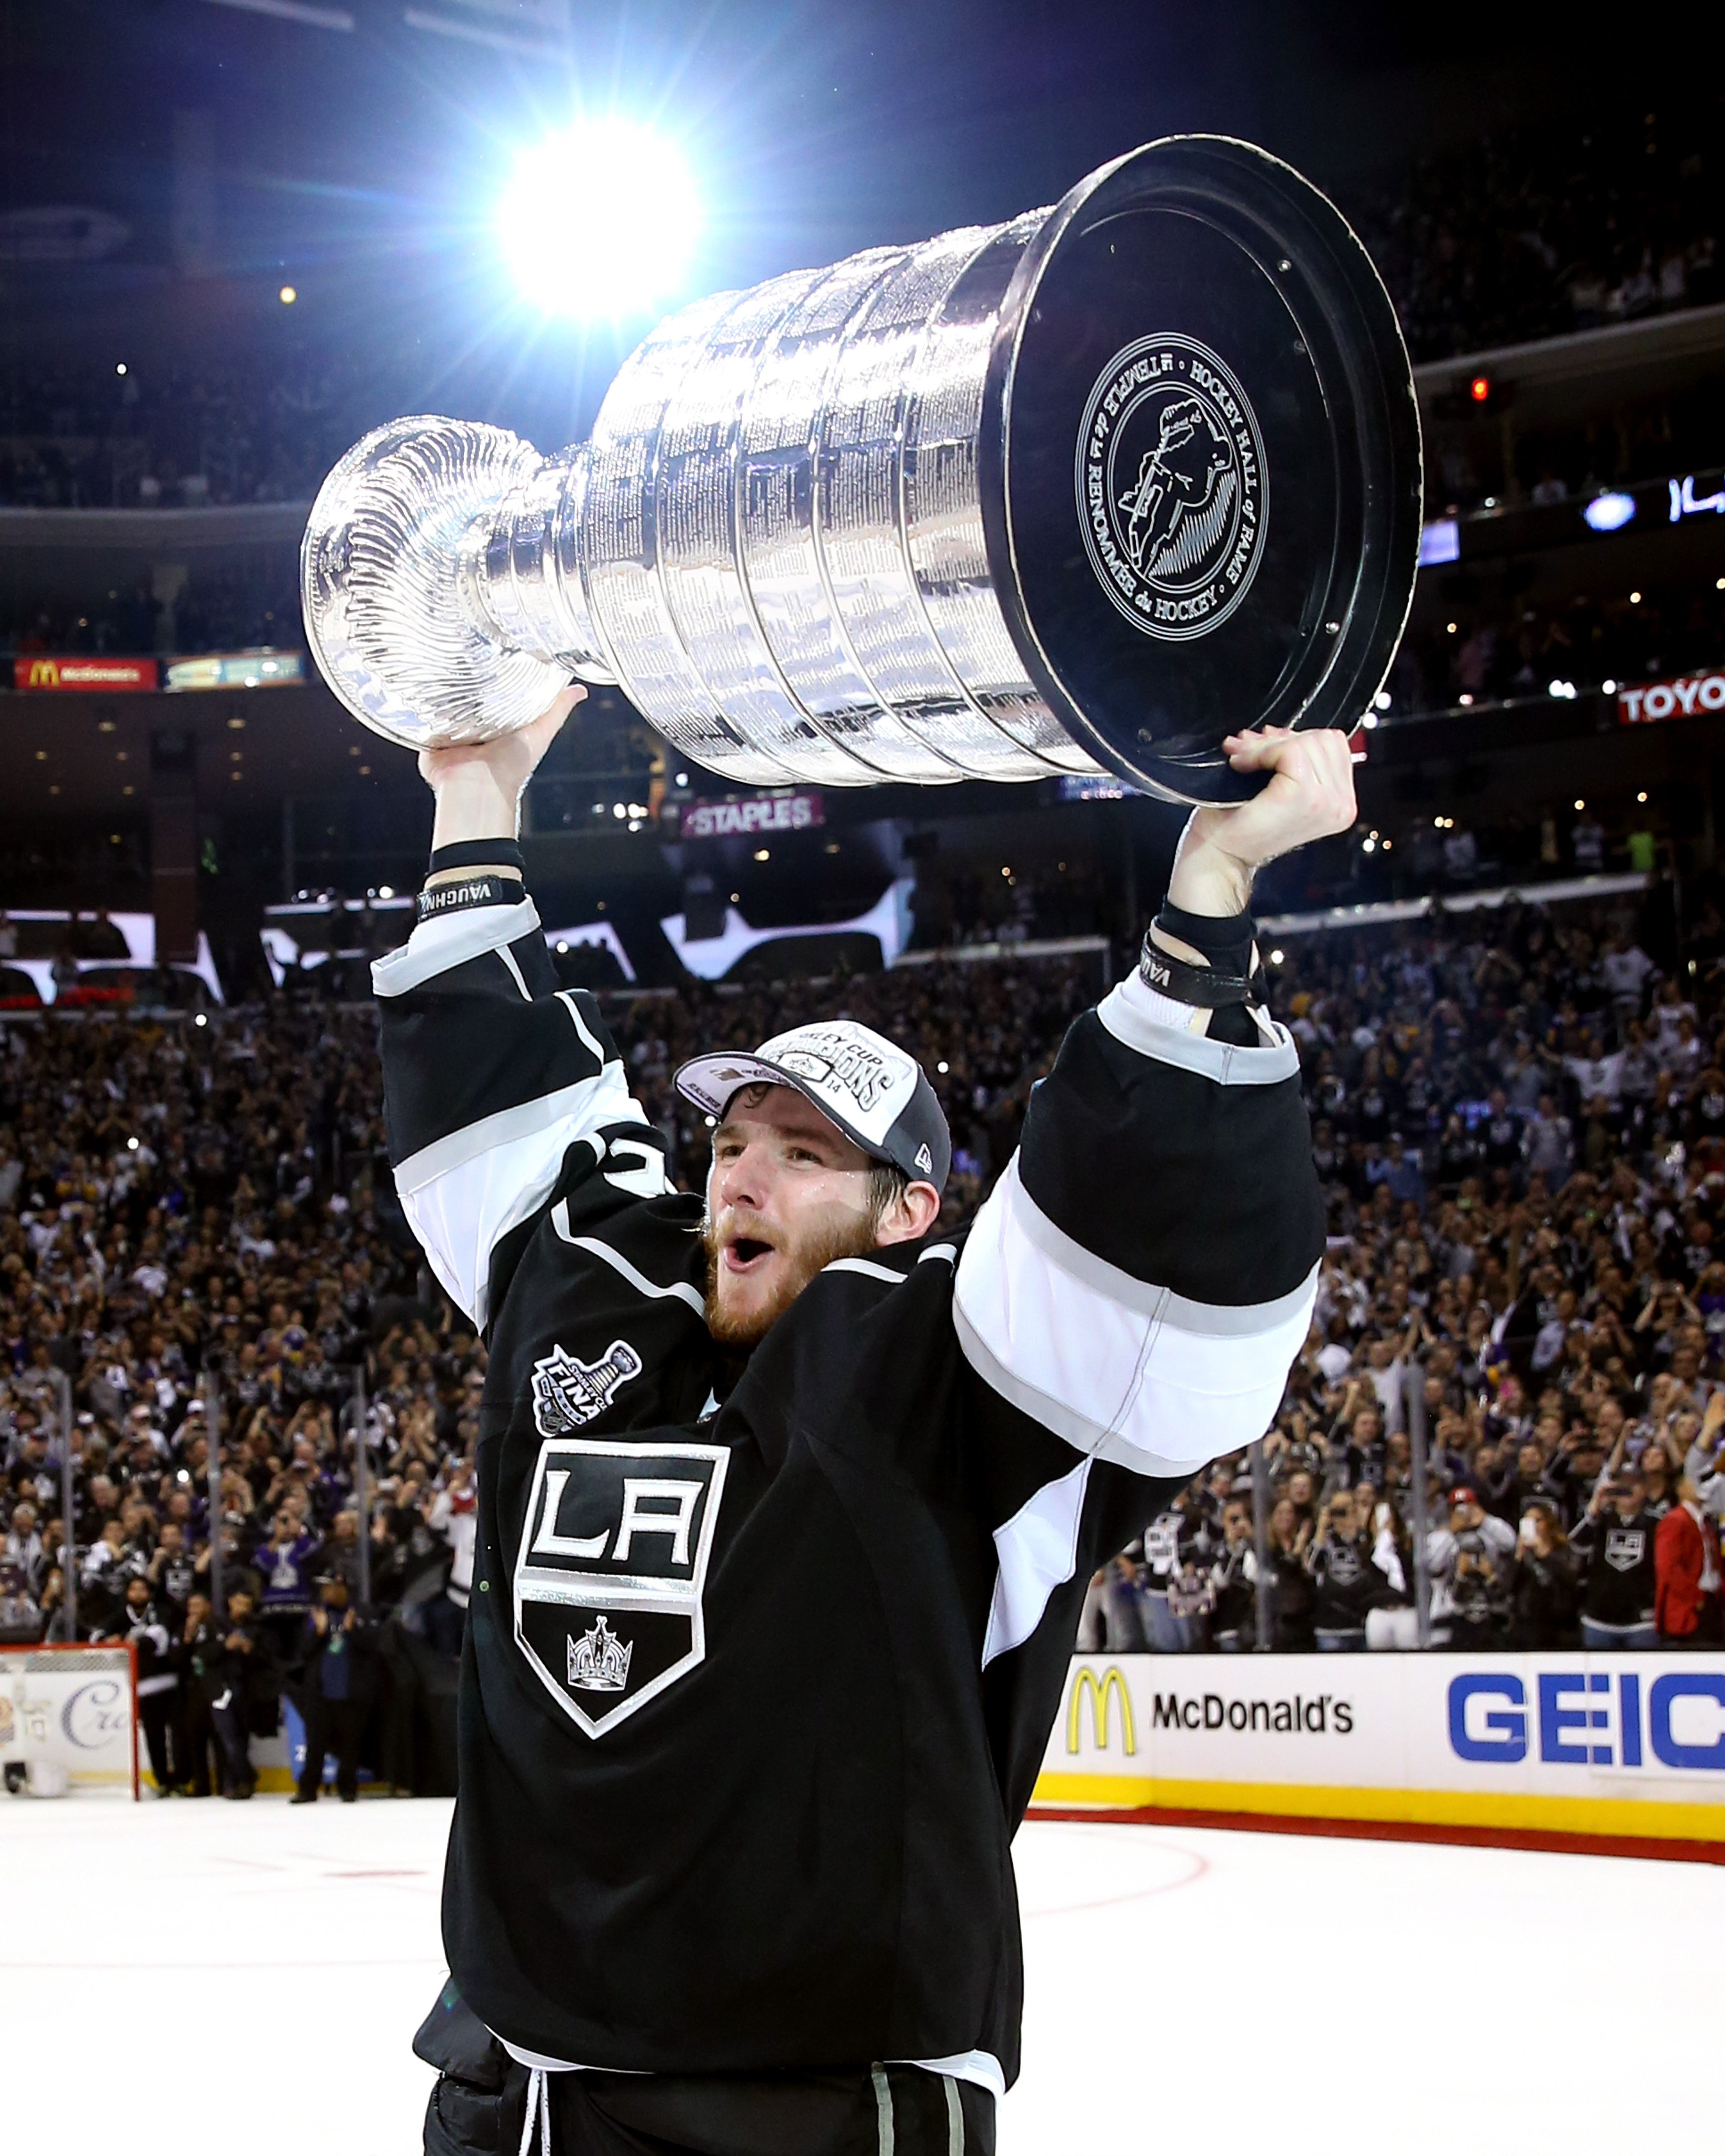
830 1060
925 1159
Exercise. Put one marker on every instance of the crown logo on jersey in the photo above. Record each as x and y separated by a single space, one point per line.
598 1661
567 1392
616 1531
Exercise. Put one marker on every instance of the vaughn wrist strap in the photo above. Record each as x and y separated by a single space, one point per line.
1184 982
471 890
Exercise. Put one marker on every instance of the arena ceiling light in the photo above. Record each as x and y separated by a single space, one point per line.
1610 512
600 220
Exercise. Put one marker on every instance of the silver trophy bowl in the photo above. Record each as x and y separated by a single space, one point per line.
1086 491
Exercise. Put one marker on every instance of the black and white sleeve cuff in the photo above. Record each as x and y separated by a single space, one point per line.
468 892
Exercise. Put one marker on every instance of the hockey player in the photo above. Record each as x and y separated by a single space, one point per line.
787 1503
142 1626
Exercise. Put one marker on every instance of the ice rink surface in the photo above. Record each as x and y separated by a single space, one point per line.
249 1976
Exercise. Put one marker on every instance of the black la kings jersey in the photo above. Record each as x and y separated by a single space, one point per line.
756 1689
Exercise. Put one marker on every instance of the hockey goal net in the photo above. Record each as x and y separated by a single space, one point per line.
70 1713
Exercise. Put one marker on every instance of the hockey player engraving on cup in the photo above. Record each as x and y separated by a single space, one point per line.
566 1393
1173 494
621 1532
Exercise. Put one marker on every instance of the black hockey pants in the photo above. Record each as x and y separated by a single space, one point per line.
479 2107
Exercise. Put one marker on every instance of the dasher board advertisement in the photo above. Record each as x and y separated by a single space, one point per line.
1583 1743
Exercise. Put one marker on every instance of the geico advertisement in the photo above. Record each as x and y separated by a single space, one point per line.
1570 1724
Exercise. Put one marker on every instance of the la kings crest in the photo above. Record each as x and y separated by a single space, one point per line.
610 1575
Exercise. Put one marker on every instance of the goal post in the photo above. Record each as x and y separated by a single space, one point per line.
73 1707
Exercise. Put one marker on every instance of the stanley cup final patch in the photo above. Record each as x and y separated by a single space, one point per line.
567 1392
1173 492
609 1578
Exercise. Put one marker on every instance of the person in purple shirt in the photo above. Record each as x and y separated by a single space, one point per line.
284 1566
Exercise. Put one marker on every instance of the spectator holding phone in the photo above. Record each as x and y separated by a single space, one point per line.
1616 1537
340 1684
1543 1587
1346 1584
1234 1582
285 1563
1470 1562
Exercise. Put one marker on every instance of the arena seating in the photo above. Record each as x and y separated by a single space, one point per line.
1519 1119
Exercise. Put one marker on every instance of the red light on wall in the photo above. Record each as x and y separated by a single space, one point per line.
1479 389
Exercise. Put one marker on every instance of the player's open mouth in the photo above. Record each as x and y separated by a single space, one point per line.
747 1254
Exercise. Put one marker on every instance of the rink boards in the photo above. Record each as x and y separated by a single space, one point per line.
1619 1746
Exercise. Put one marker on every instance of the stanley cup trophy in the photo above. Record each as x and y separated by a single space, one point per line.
1088 490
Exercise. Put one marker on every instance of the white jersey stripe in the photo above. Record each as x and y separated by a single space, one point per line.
576 1109
451 939
460 1215
682 1290
1120 1379
1130 1013
869 1267
465 1192
1232 1321
565 997
1038 1549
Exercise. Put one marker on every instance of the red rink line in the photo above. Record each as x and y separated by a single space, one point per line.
1469 1837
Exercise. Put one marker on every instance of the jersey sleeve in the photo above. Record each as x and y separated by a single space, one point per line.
1143 1274
491 1073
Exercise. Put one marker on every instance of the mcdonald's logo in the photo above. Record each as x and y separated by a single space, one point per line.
1102 1694
41 671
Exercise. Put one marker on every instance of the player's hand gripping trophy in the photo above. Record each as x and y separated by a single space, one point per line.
1098 489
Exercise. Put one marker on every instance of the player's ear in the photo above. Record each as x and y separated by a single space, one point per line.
910 1216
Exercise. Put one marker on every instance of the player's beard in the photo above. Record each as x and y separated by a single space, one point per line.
844 1234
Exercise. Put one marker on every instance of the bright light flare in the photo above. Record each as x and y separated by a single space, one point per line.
599 221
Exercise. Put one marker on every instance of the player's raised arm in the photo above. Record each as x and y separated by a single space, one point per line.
1144 1272
491 1073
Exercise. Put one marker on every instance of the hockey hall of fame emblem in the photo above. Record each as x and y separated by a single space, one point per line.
1173 492
611 1569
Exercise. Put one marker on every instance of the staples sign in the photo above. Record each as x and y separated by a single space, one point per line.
746 819
1685 697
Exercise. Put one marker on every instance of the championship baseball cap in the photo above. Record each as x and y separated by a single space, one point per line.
876 1093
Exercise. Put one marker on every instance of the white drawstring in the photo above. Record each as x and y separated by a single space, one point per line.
539 2105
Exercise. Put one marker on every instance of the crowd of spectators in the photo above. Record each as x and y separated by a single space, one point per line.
1487 463
192 1202
1518 1120
208 1200
1534 231
1518 235
1473 652
186 435
219 610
